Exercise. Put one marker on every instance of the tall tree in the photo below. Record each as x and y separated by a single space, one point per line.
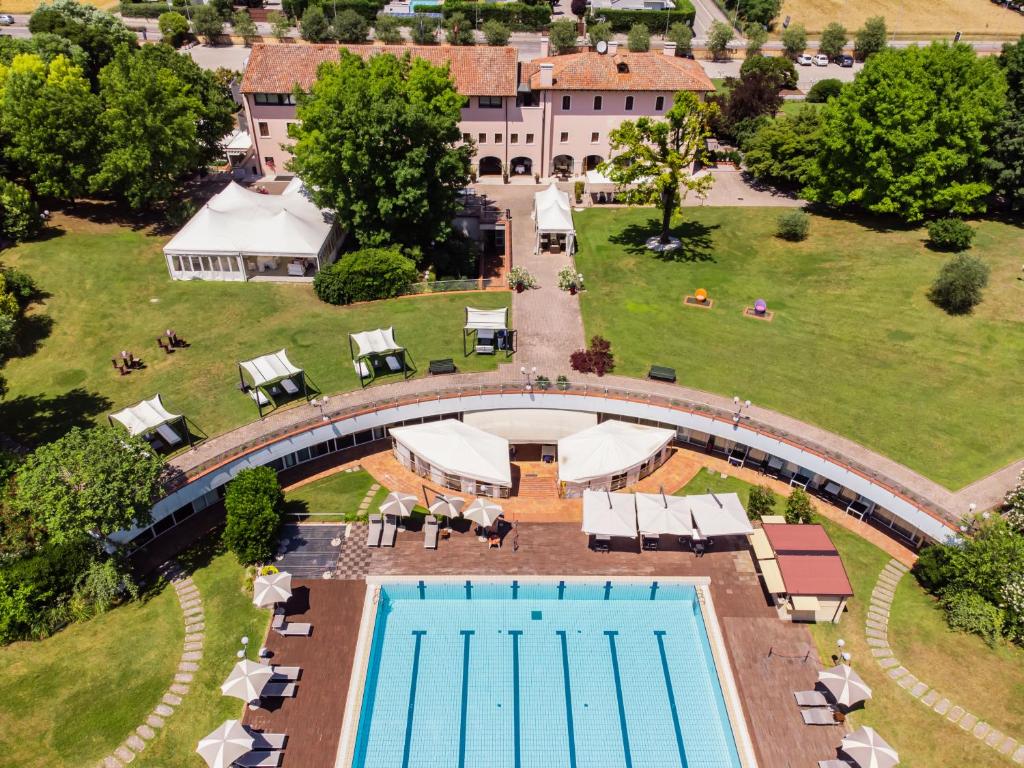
783 151
794 40
1009 145
350 27
458 29
162 119
654 157
378 142
98 33
255 508
562 36
90 482
870 39
833 40
719 37
911 135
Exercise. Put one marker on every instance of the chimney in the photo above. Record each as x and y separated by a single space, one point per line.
613 47
547 74
669 48
543 47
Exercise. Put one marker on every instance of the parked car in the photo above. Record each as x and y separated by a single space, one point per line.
845 60
6 19
804 60
821 60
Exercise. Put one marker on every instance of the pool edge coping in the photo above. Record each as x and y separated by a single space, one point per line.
357 680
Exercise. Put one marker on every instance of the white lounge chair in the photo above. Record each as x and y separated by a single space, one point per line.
362 369
430 532
810 699
373 532
257 395
833 764
268 740
286 674
278 691
388 536
818 716
291 629
169 435
289 386
259 759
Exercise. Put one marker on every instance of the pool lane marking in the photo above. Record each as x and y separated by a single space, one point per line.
418 634
568 698
466 634
660 634
515 633
618 695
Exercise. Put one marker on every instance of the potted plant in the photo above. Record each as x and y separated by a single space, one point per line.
563 382
578 188
520 279
543 382
570 280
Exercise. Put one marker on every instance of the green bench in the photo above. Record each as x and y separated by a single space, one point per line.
442 366
661 373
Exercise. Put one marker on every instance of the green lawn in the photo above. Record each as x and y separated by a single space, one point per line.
707 481
855 345
790 108
109 290
334 498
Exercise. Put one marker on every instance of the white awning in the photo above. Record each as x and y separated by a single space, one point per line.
551 211
657 513
719 514
762 549
270 369
597 179
145 416
486 319
772 577
609 514
378 342
527 425
240 141
805 603
458 449
609 448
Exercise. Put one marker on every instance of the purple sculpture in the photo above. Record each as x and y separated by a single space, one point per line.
760 306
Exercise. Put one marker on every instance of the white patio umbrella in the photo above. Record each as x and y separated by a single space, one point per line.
447 507
225 745
398 504
247 680
845 685
271 588
483 511
868 749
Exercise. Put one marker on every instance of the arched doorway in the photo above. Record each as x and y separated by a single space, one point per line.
590 162
562 165
489 166
521 166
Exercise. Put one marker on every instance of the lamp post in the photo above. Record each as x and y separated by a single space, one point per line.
321 403
842 655
740 407
528 377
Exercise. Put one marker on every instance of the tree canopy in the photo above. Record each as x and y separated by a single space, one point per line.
379 143
97 33
255 508
910 135
1009 145
782 151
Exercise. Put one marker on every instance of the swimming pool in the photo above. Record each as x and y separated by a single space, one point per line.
551 674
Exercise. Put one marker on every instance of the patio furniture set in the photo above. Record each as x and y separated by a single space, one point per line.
383 527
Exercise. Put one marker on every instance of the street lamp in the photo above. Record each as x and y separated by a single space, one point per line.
740 407
320 403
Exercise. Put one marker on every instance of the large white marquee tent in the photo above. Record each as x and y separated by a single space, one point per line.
552 218
610 455
456 455
240 234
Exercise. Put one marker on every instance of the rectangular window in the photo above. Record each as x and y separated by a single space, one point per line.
497 138
466 138
268 161
481 138
513 138
489 102
563 137
595 137
274 98
529 138
566 103
659 104
629 103
598 103
264 129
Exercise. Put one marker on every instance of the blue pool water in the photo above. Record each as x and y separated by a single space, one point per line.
542 675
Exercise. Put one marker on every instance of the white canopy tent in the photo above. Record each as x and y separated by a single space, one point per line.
456 455
240 234
552 216
657 513
377 347
150 416
612 454
491 331
719 514
609 514
267 371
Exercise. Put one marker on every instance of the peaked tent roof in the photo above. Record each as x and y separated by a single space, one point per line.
551 210
486 319
657 513
270 369
719 514
239 221
609 514
607 449
378 342
458 449
145 416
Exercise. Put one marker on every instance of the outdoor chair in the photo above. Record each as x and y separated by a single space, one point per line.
120 367
649 543
278 691
257 395
390 529
286 674
810 699
818 716
259 759
662 373
263 741
602 543
438 367
374 531
833 764
167 348
278 621
295 630
430 531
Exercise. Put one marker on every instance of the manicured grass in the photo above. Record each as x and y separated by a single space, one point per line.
790 108
335 498
109 290
707 481
855 345
925 17
73 698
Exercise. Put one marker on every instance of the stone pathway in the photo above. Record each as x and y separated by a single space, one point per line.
877 631
192 653
364 505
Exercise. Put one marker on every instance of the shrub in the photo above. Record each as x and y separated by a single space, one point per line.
255 507
517 16
562 36
599 32
19 215
520 277
932 569
597 358
793 225
681 34
495 32
639 38
968 611
823 90
578 189
458 29
20 284
569 279
386 29
623 21
350 27
314 26
173 27
423 29
365 275
207 22
761 502
280 24
142 10
103 585
794 40
799 508
719 36
950 234
958 287
780 70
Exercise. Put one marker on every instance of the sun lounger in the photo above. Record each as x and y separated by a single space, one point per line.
833 764
289 386
810 699
259 759
286 674
374 531
394 365
291 629
362 369
268 740
169 435
430 533
278 691
259 397
387 538
602 543
818 716
278 621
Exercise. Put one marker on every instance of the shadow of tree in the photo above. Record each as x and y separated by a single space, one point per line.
34 419
694 236
32 329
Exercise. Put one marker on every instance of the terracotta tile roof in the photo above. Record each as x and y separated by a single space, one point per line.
476 70
814 575
794 539
592 71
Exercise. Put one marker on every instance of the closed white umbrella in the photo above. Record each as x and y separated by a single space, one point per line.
447 507
868 749
398 504
247 680
225 745
845 685
271 588
483 511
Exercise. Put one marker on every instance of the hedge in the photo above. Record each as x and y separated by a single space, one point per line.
144 10
518 16
655 21
365 8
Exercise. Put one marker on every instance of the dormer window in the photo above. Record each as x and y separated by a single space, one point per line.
621 65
